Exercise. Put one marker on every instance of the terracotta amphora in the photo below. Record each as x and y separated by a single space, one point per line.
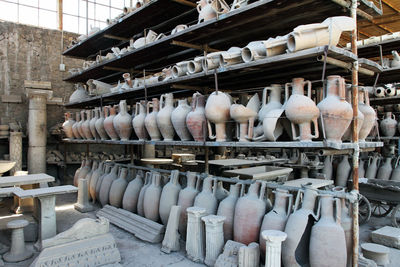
84 171
186 199
123 122
151 201
385 171
396 171
206 198
109 125
169 196
138 120
100 123
206 11
75 131
253 51
245 118
328 241
132 191
117 189
196 119
67 126
164 122
89 176
92 124
147 182
150 121
328 168
369 115
295 249
249 212
301 110
86 125
178 118
343 171
107 170
276 218
220 192
79 126
95 178
104 194
372 167
360 118
79 94
337 113
76 175
226 208
361 169
218 112
388 125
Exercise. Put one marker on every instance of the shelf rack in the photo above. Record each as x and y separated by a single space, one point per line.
374 50
390 100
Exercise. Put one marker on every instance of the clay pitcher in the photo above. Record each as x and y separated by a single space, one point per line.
169 196
227 209
123 122
84 171
75 130
337 113
295 249
79 126
93 181
220 192
100 123
151 201
109 125
328 241
369 115
88 177
107 170
164 122
206 198
150 121
117 189
301 110
245 118
385 170
147 182
343 171
388 125
196 119
249 212
67 126
138 120
218 112
86 126
360 117
328 169
361 169
104 194
396 171
178 118
277 217
186 199
92 124
76 175
372 167
132 191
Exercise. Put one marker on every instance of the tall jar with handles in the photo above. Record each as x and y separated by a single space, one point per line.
226 208
109 125
361 169
92 124
84 171
249 212
79 126
117 189
132 191
164 122
138 120
388 125
100 123
328 241
123 122
206 198
104 195
76 175
90 173
343 171
372 167
301 110
218 112
396 171
107 170
75 130
95 178
369 115
328 169
196 119
150 121
147 182
151 201
360 117
86 126
169 196
385 171
178 118
67 126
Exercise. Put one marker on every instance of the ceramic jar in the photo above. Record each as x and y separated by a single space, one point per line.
226 208
385 171
360 118
206 11
372 167
150 121
343 171
301 110
104 194
123 122
79 126
117 189
327 241
99 125
164 122
220 192
196 119
79 94
178 118
249 212
396 171
90 174
245 118
147 182
85 127
337 113
206 198
67 126
83 171
328 169
75 131
395 63
109 125
107 170
93 181
253 51
151 201
369 115
76 175
169 196
361 169
217 111
132 191
388 125
92 123
138 120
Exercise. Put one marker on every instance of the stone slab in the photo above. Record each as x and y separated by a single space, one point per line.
9 191
11 99
387 236
37 84
314 183
7 181
260 172
48 191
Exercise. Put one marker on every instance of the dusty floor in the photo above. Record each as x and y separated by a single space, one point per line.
135 252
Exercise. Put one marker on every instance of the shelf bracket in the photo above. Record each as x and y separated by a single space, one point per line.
185 2
345 65
194 46
109 36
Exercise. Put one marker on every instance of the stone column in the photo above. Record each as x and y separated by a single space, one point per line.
83 204
16 151
171 237
47 219
214 237
18 251
273 252
195 234
249 256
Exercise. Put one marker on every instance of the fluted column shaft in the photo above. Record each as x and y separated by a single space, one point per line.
195 234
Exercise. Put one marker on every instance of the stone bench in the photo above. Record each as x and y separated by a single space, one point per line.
9 191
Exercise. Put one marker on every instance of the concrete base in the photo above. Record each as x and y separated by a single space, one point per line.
387 236
375 252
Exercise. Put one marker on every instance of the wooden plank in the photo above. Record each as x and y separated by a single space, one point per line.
11 99
48 191
7 181
37 84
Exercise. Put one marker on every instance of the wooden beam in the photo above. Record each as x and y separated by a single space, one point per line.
194 46
109 36
386 2
185 2
60 14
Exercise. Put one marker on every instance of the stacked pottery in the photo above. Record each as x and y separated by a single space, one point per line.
95 178
372 167
360 118
67 126
388 125
196 119
123 122
336 112
301 110
104 194
90 173
107 170
108 123
164 122
147 182
83 172
227 209
220 192
99 125
369 115
92 124
385 170
138 120
343 171
206 198
151 201
178 118
245 117
76 175
150 121
217 111
117 189
75 131
132 191
86 126
328 169
79 126
169 196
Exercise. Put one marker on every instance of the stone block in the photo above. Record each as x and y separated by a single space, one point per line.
11 99
171 238
387 236
229 258
375 252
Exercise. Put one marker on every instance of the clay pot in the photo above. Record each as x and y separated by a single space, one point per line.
328 241
249 212
147 182
295 249
226 208
396 171
150 121
79 94
117 189
123 122
83 172
343 171
196 119
301 110
206 198
217 111
164 122
245 118
372 167
388 125
206 11
67 126
212 61
79 126
178 118
169 196
396 60
93 181
220 192
107 170
369 115
379 92
132 191
151 201
180 69
138 120
195 65
99 125
186 199
104 194
92 125
361 169
253 51
109 125
89 176
76 175
276 46
86 126
337 113
75 131
277 217
328 169
232 56
385 171
360 117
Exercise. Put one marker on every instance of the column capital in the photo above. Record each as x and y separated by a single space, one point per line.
274 236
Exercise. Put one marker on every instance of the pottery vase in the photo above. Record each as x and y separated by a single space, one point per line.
395 63
212 61
107 170
180 69
93 181
151 201
369 115
79 94
117 189
343 171
196 119
76 175
92 125
123 122
206 198
104 195
372 167
226 208
328 168
169 196
178 118
396 171
253 51
86 126
217 111
206 11
347 224
132 191
164 122
385 171
89 175
138 120
84 171
75 131
99 125
150 121
67 126
195 65
361 169
245 118
220 192
79 126
249 212
147 182
388 125
232 56
109 125
360 118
